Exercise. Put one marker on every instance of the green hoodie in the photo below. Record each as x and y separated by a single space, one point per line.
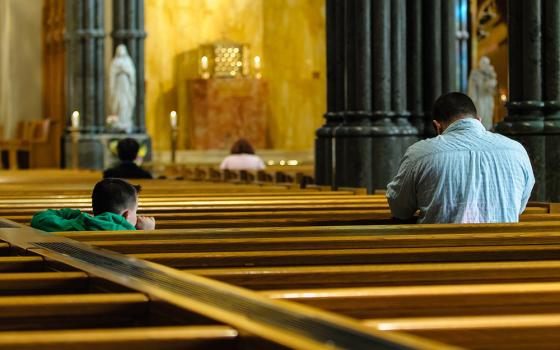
74 220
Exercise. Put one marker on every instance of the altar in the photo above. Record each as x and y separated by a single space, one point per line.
224 110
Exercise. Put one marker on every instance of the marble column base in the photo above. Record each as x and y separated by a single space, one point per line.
323 160
525 124
98 151
366 156
552 135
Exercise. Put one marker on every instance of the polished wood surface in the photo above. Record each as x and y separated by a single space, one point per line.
489 286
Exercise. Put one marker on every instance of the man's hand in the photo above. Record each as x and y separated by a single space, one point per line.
145 223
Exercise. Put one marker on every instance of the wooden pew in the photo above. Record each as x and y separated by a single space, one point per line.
64 319
479 244
342 276
482 332
146 338
195 244
430 301
525 229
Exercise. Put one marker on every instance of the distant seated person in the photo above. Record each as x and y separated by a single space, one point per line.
127 150
114 203
242 157
465 175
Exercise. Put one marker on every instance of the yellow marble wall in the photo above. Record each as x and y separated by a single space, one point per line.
288 34
175 29
295 67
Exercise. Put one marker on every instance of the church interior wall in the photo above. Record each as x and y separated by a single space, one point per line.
289 37
296 70
20 62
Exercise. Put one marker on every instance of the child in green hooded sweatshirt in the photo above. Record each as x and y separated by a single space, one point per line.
114 203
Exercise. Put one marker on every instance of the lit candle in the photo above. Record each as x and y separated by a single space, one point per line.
75 121
173 119
204 63
257 60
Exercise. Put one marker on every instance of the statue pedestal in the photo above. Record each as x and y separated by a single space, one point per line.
99 151
224 110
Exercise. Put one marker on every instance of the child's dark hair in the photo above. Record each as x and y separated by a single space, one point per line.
127 149
242 146
113 196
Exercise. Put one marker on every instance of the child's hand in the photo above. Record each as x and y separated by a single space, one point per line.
145 223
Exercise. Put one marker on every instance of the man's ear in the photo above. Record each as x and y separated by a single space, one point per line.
437 126
478 118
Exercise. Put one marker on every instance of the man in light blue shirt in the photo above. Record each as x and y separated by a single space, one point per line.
464 175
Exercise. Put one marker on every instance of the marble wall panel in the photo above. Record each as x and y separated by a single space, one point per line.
175 30
289 35
225 110
295 68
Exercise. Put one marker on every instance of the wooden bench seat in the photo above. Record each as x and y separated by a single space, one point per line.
70 311
145 338
430 301
508 332
194 244
526 228
360 275
354 256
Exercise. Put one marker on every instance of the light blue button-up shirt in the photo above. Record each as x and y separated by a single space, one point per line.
465 175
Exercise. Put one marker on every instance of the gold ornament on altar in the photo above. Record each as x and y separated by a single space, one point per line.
224 59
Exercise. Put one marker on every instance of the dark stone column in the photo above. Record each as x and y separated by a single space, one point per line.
85 68
384 155
100 68
353 141
515 47
433 63
525 121
128 29
414 65
335 92
551 96
449 46
408 133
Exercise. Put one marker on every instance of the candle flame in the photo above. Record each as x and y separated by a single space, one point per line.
75 120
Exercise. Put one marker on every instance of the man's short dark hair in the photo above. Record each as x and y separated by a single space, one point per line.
113 196
127 149
452 106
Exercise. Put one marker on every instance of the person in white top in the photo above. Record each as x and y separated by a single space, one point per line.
242 157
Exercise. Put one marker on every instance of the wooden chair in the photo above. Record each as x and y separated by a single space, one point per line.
9 147
29 154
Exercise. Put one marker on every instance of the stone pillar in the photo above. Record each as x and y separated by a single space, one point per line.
85 81
551 96
408 133
384 134
85 65
433 64
415 61
128 29
99 67
524 121
352 140
335 91
449 46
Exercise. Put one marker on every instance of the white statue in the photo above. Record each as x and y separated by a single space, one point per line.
122 90
482 88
